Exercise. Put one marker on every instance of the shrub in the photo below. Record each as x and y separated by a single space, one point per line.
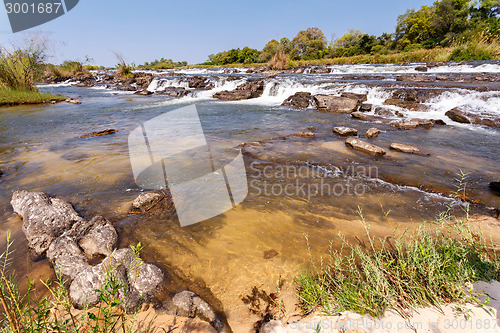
22 66
471 51
279 61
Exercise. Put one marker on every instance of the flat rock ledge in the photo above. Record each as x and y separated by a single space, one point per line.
404 148
345 131
364 147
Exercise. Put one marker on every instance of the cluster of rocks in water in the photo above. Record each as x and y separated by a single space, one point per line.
54 229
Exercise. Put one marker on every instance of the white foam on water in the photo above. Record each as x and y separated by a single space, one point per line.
411 68
61 84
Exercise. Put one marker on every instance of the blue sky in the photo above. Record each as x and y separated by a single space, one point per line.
191 30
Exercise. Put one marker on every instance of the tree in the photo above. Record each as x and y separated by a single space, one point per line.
309 44
269 50
349 39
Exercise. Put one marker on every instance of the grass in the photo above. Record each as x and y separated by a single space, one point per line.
18 97
429 267
22 313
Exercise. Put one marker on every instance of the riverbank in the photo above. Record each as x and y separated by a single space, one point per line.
307 137
9 97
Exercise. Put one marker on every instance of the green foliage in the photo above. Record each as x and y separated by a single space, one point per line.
234 56
427 268
54 313
308 44
21 65
471 51
19 97
163 64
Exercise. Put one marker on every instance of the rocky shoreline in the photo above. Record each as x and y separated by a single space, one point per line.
72 245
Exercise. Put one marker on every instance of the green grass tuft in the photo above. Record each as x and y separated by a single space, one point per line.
430 267
18 97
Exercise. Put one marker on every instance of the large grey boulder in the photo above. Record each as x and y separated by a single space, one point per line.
300 100
336 104
67 257
44 218
101 238
248 90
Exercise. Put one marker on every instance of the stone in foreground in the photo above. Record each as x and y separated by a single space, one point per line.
403 148
364 147
345 131
44 218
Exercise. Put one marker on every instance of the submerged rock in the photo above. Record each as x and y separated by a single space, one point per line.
336 104
372 133
345 131
364 147
368 117
144 92
301 100
107 131
403 148
145 200
248 90
72 101
307 134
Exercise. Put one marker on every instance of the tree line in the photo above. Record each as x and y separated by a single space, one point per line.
444 23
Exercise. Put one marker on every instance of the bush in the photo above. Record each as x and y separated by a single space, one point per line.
21 67
413 47
471 51
279 61
376 49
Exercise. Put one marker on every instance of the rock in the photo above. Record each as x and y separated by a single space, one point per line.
72 101
359 97
439 122
320 70
193 305
495 187
248 90
145 200
44 218
176 92
199 82
143 80
269 254
82 290
416 78
403 148
365 107
336 104
273 326
310 128
307 134
372 133
416 95
300 100
413 123
458 116
364 147
345 131
101 240
421 69
405 104
367 117
144 92
107 131
67 257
